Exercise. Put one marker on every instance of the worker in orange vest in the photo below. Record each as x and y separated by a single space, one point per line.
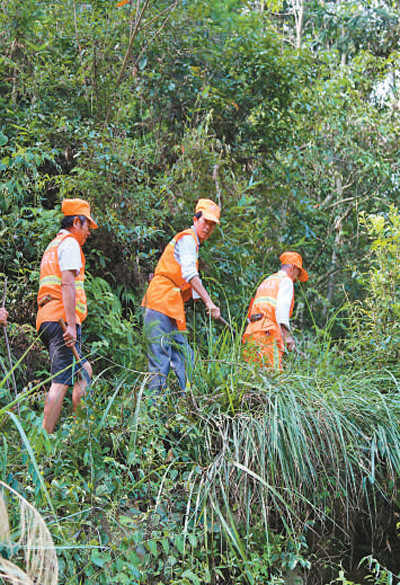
268 329
176 279
3 317
61 296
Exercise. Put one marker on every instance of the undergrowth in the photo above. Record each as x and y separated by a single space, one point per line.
239 480
251 476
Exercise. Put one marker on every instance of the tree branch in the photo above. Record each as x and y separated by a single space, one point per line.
134 32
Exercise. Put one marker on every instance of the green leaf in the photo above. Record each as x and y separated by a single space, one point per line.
192 539
152 544
188 574
179 543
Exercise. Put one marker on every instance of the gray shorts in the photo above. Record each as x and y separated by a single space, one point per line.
61 356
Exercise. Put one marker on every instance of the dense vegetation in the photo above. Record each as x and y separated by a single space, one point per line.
287 114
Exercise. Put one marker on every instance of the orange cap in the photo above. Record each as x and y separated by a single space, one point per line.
78 207
296 259
209 209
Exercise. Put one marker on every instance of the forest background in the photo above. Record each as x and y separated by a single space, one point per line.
287 115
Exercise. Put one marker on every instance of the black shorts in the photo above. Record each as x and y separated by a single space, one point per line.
61 356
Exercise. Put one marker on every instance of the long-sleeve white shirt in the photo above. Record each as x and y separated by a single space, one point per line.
186 254
284 300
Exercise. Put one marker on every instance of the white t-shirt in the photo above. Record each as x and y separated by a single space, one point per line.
69 254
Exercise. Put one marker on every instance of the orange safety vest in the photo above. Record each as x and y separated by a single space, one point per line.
265 303
49 298
167 290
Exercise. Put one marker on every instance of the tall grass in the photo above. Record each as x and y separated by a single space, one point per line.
314 451
265 465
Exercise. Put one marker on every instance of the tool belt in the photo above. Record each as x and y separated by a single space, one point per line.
44 300
255 317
